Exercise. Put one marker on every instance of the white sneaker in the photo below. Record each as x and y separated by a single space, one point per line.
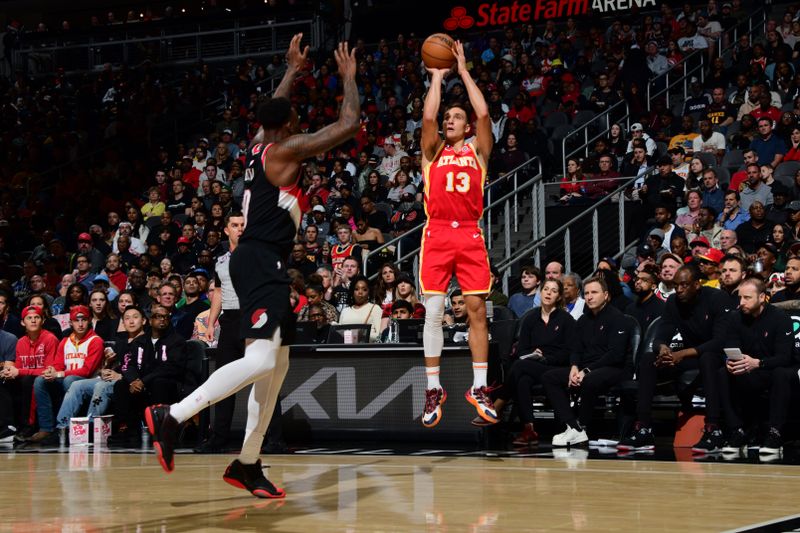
7 434
570 437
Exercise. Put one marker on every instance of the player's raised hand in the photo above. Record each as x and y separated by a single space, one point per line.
294 57
461 59
346 60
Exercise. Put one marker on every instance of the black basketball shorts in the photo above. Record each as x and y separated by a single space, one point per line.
259 277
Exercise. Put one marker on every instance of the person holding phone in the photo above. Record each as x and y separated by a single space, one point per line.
760 340
545 343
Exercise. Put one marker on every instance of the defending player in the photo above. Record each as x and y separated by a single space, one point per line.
258 272
452 240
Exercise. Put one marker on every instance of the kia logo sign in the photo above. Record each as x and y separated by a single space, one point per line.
494 14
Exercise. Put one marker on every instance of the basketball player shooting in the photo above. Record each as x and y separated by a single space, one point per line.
452 241
258 272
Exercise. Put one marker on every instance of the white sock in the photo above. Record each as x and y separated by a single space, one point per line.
432 373
258 362
479 371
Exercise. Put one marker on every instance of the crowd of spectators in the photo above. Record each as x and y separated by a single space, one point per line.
140 223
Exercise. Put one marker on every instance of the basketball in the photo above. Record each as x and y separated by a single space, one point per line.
437 51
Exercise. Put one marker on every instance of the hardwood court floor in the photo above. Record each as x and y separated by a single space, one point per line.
84 491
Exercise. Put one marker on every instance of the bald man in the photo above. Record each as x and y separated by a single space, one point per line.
727 239
553 270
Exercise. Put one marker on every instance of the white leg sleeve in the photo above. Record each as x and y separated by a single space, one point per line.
432 336
261 406
258 362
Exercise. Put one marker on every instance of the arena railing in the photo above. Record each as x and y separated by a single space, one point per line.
755 25
616 114
268 85
619 113
522 179
677 76
170 49
532 251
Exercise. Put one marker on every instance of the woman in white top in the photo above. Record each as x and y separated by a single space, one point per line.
402 185
362 311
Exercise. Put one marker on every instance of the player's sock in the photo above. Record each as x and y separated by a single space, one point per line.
479 371
432 373
258 362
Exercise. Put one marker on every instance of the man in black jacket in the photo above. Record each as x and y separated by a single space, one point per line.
152 371
690 335
597 363
665 187
757 230
764 336
647 306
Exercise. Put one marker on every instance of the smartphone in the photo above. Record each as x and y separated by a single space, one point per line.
734 354
536 356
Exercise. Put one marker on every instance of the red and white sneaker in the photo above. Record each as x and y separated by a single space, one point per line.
480 399
434 399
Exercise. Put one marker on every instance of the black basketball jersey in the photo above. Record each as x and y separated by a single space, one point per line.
272 214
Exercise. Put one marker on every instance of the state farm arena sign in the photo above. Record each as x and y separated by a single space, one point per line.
496 14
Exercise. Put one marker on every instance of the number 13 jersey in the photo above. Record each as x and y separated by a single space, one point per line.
454 183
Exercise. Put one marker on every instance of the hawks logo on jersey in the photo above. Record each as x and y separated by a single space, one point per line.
454 183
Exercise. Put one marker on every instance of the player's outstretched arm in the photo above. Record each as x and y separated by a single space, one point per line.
484 141
286 155
295 61
430 114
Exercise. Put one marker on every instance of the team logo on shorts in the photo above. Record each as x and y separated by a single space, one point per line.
259 318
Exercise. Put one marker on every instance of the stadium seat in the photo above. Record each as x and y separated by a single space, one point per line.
724 177
646 343
733 160
786 172
555 119
582 117
502 332
634 340
629 388
708 159
152 222
502 312
384 208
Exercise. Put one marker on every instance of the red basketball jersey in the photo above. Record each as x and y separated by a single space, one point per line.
454 185
340 252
